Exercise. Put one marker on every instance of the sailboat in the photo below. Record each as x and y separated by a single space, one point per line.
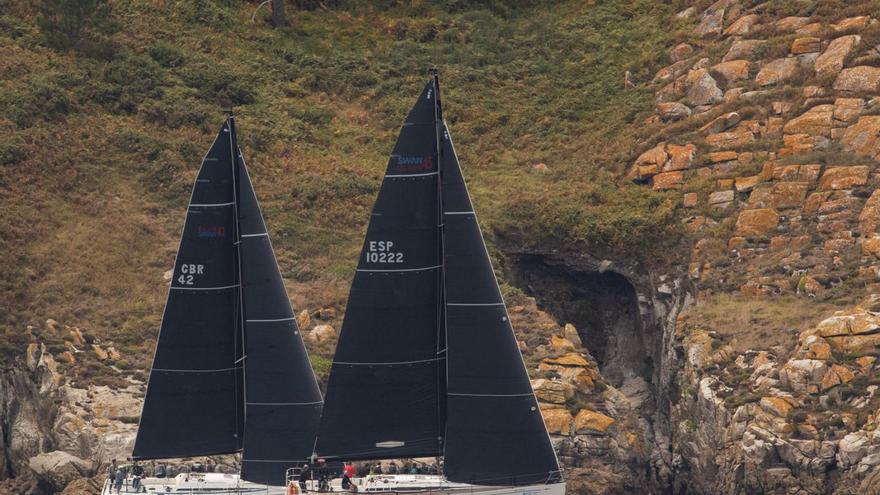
230 373
427 364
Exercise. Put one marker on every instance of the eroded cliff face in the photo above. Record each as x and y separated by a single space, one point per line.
749 364
54 433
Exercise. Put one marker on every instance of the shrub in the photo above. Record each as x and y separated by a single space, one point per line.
41 97
220 85
166 54
76 24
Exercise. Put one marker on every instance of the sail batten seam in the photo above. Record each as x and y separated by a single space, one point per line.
207 288
398 176
208 205
389 363
400 269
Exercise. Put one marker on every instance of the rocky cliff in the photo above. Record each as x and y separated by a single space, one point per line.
748 364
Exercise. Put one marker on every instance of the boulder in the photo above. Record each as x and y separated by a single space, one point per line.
680 157
852 448
836 178
733 70
85 486
862 79
58 469
670 111
852 24
742 26
571 333
680 52
561 343
802 375
756 222
776 406
321 333
830 63
690 200
668 180
303 320
869 218
788 195
721 198
777 71
807 44
721 123
739 137
553 392
746 184
702 88
863 137
791 24
816 121
557 420
742 49
591 422
570 359
711 24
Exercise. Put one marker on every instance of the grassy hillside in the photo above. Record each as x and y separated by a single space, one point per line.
104 128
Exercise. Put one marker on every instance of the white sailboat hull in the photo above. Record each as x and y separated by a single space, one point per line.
203 483
432 485
231 484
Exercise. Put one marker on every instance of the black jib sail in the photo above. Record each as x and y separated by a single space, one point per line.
194 401
208 393
385 392
495 434
283 400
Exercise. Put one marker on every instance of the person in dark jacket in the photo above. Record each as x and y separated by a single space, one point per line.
304 475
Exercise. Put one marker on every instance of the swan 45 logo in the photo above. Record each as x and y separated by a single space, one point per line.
414 163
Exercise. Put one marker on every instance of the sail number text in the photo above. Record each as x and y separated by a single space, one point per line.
382 252
188 271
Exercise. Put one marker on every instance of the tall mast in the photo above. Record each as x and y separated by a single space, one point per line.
240 339
441 300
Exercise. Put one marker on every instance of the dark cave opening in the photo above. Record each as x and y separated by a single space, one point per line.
604 307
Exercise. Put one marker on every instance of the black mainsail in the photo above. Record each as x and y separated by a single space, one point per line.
384 392
385 388
194 403
231 372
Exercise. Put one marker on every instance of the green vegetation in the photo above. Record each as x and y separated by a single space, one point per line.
110 105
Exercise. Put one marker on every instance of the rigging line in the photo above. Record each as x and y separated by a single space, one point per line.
285 403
